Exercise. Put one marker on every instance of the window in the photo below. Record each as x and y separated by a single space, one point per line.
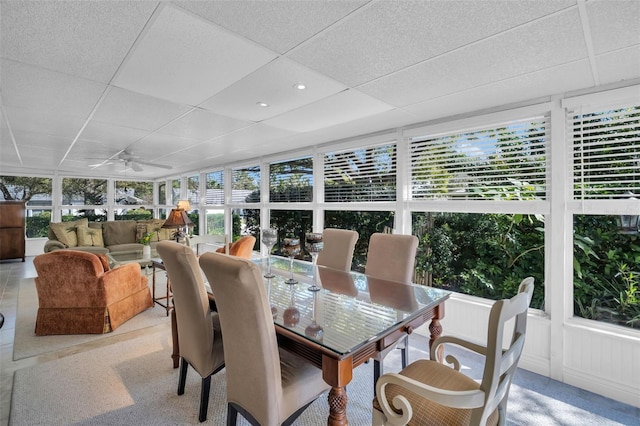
215 188
245 185
291 181
133 193
36 192
193 189
484 255
175 191
501 162
365 174
606 153
291 224
246 222
605 142
84 192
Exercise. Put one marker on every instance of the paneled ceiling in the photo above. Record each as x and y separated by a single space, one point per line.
87 85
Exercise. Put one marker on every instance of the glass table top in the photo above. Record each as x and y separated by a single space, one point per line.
350 310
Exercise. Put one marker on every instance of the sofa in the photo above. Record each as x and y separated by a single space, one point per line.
105 237
78 293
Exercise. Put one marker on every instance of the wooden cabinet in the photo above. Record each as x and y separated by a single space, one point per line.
12 229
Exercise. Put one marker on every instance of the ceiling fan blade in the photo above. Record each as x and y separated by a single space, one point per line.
136 167
148 163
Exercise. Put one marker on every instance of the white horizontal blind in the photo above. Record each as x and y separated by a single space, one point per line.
245 186
364 174
291 181
507 161
215 188
606 152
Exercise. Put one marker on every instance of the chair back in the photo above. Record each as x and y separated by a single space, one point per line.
337 251
243 247
391 257
252 358
191 304
503 355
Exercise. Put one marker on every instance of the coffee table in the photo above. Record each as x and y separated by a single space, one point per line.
123 257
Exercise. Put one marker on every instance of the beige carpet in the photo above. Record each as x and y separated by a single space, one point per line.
133 383
27 344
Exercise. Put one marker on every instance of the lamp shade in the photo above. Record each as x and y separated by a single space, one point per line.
184 205
177 219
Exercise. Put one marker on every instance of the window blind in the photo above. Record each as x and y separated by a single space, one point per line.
507 161
606 152
245 187
291 181
215 187
365 174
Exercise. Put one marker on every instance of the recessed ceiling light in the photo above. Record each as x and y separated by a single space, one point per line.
299 86
262 104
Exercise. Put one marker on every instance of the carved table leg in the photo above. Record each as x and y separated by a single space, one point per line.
175 355
337 407
436 330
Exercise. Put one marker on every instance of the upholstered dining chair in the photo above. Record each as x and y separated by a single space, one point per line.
428 392
267 386
337 252
391 257
198 327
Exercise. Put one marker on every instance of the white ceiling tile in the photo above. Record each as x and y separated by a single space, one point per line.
116 136
38 89
536 85
386 36
128 109
269 23
85 39
272 84
200 125
339 108
449 73
184 59
607 19
44 123
620 65
252 136
155 145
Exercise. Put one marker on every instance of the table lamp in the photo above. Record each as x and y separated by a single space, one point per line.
179 220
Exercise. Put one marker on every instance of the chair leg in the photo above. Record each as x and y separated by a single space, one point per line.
377 372
404 352
204 398
232 415
184 365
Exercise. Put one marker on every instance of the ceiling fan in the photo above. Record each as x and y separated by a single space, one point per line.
130 160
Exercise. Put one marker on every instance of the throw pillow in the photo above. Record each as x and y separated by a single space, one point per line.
65 232
141 230
89 237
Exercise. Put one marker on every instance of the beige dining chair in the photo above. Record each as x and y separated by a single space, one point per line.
429 392
338 246
391 257
199 333
267 386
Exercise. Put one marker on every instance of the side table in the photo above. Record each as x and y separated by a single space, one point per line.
157 263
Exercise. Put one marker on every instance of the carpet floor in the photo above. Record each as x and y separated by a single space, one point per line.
27 344
132 382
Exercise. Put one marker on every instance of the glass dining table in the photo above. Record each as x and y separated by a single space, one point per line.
350 320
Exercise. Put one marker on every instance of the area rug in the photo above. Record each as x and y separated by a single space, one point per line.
133 383
27 344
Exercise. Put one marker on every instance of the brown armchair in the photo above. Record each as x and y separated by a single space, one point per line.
79 294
